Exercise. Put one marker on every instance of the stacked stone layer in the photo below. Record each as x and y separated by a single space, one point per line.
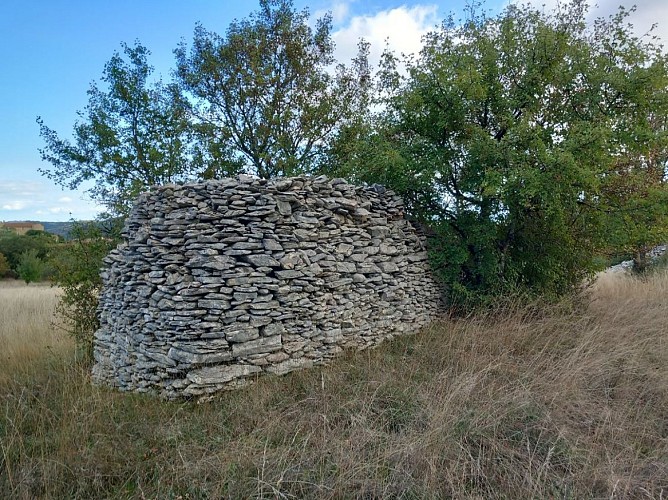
220 281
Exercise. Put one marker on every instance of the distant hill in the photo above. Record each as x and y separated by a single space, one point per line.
59 228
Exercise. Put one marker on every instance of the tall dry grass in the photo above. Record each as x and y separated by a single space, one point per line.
530 401
26 330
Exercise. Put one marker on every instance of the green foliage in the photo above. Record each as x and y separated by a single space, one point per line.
268 101
77 265
132 135
523 140
638 208
4 266
13 245
30 266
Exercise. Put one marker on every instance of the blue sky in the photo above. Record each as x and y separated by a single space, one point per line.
50 52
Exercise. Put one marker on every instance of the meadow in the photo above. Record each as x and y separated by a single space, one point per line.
533 400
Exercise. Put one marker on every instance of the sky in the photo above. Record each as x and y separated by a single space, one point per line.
52 50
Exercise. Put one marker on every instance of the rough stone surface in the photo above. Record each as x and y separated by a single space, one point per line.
218 282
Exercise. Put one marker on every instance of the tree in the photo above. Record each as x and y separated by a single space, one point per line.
30 266
509 134
268 99
637 193
133 134
360 149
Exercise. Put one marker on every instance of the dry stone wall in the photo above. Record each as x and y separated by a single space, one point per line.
220 281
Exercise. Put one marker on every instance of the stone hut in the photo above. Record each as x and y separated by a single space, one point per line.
218 282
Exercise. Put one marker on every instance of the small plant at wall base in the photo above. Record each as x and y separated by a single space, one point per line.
77 266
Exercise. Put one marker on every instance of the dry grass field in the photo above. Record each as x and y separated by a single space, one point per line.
530 401
26 332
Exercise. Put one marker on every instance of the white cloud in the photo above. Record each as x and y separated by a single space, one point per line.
41 200
648 12
339 11
14 205
19 188
402 28
58 210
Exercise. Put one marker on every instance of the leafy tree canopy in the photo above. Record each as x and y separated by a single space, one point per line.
268 98
133 134
524 139
527 141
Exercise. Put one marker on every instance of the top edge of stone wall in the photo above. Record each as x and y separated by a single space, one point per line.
280 184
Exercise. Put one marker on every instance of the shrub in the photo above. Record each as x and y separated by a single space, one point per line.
4 266
76 269
30 266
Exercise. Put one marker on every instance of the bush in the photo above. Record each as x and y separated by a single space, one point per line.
4 266
30 266
76 269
